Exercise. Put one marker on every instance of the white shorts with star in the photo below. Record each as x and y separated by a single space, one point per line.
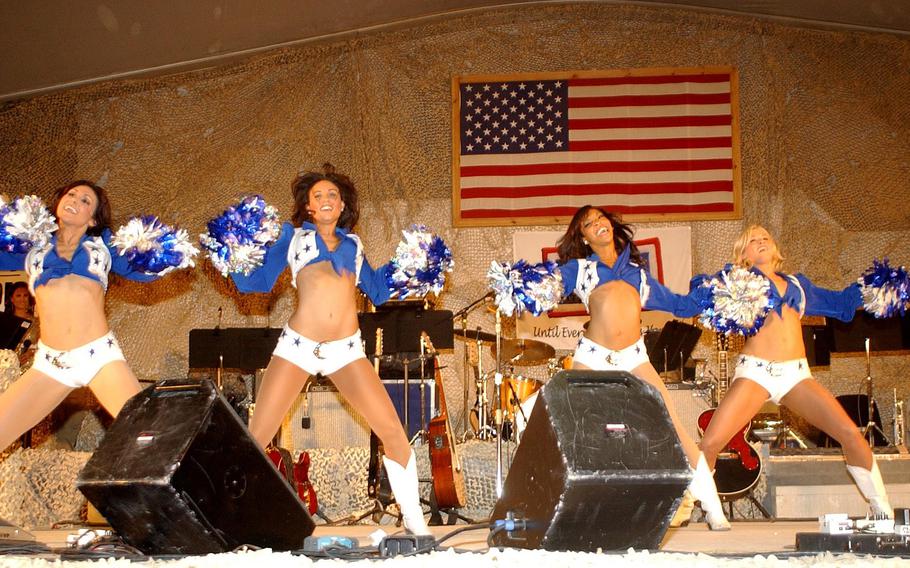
599 358
776 377
323 357
77 367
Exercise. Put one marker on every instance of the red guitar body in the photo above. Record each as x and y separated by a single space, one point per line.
738 466
296 474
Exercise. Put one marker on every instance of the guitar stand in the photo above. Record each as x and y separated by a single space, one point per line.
452 514
377 512
750 495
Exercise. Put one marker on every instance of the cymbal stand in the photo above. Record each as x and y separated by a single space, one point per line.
465 415
462 315
484 429
898 421
871 427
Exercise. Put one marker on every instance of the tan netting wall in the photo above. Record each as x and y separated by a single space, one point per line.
825 145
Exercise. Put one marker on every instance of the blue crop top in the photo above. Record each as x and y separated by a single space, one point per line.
584 275
808 299
93 258
303 246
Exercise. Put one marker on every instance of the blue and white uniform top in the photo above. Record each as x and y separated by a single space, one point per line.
808 299
584 275
303 246
94 258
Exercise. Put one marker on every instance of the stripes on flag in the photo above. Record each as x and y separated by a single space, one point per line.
660 144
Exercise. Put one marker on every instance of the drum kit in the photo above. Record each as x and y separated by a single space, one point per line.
503 395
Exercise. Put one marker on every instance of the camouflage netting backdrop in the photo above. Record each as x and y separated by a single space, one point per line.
824 135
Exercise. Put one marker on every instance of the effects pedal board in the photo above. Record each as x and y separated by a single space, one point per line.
859 536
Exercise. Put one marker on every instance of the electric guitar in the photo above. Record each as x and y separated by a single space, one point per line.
296 474
448 476
738 465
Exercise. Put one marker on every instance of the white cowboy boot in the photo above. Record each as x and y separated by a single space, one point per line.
403 481
872 487
703 490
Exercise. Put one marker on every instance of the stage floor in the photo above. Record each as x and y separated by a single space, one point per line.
746 537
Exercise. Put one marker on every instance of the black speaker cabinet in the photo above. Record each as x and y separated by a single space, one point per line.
599 466
178 473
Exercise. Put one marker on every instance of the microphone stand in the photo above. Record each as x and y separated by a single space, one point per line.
497 381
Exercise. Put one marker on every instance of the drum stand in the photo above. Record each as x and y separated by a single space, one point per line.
871 427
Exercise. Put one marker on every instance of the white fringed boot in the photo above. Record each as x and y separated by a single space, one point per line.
703 489
403 481
872 487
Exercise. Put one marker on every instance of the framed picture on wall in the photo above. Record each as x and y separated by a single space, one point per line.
650 253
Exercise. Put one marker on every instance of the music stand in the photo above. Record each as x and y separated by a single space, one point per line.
402 327
673 346
232 348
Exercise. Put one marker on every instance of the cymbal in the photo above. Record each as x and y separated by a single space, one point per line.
525 351
474 334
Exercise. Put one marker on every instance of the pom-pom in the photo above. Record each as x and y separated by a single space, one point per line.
520 287
152 247
238 238
25 223
885 289
419 267
739 302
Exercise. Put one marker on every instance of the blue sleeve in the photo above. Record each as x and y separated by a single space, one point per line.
841 304
12 260
121 266
373 282
273 264
569 273
663 299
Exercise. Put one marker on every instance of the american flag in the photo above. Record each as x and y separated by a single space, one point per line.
649 145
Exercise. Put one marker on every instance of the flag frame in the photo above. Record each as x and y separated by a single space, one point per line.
459 221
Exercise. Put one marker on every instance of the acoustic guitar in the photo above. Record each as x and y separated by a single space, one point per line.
738 466
448 476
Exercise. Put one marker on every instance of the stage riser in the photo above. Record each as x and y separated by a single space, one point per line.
809 487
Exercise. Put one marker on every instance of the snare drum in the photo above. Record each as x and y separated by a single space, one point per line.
515 390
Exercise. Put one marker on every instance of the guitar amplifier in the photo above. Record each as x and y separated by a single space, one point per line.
689 403
324 419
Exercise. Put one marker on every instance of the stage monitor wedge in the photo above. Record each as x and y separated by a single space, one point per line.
600 466
178 473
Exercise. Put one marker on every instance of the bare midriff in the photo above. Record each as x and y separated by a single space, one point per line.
326 309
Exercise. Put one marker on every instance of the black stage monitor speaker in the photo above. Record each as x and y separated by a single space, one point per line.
599 466
178 473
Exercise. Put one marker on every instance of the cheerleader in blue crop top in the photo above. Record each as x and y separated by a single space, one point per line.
322 335
601 264
68 277
772 365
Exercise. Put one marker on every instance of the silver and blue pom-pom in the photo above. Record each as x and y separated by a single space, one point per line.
153 247
237 239
885 289
420 264
739 302
521 287
25 223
